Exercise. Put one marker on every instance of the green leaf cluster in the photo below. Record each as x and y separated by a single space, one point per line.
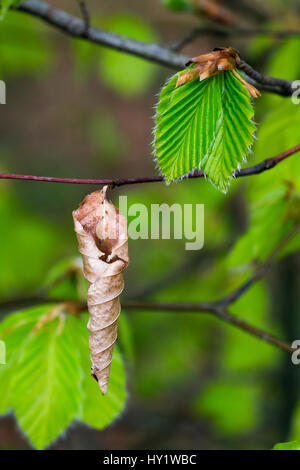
203 125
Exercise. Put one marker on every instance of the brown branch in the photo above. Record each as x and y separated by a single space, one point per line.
76 28
253 170
85 15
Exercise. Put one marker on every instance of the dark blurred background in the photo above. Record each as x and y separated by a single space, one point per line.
80 110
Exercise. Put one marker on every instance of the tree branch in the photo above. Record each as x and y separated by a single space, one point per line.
76 28
85 15
253 170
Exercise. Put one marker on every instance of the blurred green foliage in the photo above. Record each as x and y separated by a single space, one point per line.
105 135
127 75
187 113
5 5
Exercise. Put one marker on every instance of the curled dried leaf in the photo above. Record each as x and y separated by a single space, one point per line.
103 243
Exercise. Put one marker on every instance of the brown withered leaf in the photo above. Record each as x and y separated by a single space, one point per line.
103 243
213 63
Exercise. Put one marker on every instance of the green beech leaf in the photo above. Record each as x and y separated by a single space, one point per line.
204 125
46 389
295 423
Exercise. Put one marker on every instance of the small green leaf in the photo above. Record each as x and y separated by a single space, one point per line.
293 445
204 125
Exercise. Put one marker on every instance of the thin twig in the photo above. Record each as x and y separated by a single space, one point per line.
76 28
253 170
213 308
225 31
